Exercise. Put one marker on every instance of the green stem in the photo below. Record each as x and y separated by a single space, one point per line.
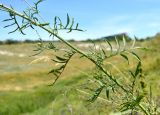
143 109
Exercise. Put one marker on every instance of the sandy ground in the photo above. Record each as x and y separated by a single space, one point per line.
8 53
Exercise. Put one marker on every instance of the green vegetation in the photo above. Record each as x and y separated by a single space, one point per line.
24 89
117 77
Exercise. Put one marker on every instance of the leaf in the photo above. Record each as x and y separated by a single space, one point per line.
60 23
23 26
68 21
72 23
58 61
9 25
21 31
70 29
31 26
7 20
132 103
44 24
57 71
125 106
118 45
125 57
143 85
60 58
55 22
104 53
109 45
124 42
113 89
25 13
40 51
11 14
52 46
35 18
76 26
54 71
80 30
107 93
139 98
39 1
61 68
13 31
96 94
136 56
133 44
138 69
132 73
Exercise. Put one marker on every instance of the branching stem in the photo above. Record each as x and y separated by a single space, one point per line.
50 31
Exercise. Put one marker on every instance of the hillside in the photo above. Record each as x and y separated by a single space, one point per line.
24 81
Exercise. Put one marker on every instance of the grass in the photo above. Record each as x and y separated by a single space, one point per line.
16 103
24 90
62 99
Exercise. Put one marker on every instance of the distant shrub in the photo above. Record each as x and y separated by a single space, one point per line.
28 41
1 42
10 41
71 40
118 36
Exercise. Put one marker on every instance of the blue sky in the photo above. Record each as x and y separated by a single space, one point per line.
99 17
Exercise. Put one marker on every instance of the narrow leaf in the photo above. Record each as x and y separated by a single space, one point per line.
132 73
118 44
133 44
68 21
55 22
107 93
70 29
9 25
104 53
13 31
125 57
58 61
124 43
61 68
60 23
72 23
76 26
136 56
44 24
96 94
111 49
138 69
80 30
7 20
60 58
35 18
54 71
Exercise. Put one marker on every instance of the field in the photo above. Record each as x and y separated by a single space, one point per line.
24 81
